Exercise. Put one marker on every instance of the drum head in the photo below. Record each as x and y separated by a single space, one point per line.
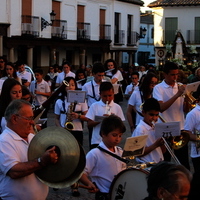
129 184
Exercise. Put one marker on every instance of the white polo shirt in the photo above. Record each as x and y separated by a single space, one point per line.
102 167
13 149
42 87
25 75
144 129
192 123
98 109
136 101
164 92
62 75
91 97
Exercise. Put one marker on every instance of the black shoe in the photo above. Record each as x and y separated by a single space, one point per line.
75 193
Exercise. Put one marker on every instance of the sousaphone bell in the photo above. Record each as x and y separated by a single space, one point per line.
71 161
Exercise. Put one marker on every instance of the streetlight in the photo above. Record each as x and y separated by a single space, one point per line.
45 23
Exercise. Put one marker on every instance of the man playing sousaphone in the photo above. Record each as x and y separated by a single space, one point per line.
18 180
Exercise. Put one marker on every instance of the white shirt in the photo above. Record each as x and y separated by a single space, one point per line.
144 129
131 88
164 92
117 75
102 167
41 87
81 107
13 149
91 97
25 75
136 101
62 75
192 123
98 109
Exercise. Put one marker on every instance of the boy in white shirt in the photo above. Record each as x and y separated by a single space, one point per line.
101 108
153 151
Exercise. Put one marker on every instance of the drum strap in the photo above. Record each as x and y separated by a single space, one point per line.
114 155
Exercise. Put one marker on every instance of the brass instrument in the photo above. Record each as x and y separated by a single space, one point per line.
68 124
176 142
189 98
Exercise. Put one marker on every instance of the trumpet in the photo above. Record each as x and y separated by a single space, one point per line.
68 124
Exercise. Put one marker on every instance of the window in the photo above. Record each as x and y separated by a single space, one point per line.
171 25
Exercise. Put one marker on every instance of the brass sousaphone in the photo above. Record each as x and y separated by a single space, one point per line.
71 161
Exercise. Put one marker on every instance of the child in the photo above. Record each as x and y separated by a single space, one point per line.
100 166
77 115
152 152
133 85
104 107
40 91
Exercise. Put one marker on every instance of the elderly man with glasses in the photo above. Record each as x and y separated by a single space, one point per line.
18 180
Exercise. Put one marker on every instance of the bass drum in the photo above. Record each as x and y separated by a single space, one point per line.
129 184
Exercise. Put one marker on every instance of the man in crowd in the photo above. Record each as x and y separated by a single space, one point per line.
17 178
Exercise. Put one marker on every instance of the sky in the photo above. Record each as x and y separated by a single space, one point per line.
146 2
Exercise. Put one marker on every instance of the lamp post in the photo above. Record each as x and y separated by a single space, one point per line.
143 32
45 23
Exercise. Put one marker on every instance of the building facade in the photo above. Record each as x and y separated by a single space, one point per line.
171 17
83 31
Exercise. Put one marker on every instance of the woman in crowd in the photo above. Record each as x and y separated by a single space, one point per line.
11 90
115 76
138 97
11 72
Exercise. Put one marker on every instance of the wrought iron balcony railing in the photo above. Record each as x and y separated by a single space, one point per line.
119 37
59 29
83 31
105 32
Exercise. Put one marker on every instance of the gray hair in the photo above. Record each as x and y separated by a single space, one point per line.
14 108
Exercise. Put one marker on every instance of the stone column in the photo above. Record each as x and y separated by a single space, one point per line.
11 54
82 57
52 56
130 61
1 45
30 57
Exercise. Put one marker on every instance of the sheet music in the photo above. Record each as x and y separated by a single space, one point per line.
134 146
192 87
76 96
167 129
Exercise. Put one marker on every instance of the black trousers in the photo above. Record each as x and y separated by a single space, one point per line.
101 196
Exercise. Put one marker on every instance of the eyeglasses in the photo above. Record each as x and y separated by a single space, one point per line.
26 118
175 196
1 61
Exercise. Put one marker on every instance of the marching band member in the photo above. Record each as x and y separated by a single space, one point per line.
192 124
172 105
116 76
92 89
101 168
153 151
104 107
40 90
11 90
77 114
18 180
80 78
65 73
138 97
133 85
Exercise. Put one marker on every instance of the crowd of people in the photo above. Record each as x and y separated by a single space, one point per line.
150 100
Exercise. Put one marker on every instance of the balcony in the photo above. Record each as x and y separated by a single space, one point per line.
59 29
30 26
119 36
105 32
132 38
83 31
193 36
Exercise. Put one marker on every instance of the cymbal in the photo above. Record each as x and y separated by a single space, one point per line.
69 158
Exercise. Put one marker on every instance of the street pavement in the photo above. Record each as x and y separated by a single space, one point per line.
65 193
